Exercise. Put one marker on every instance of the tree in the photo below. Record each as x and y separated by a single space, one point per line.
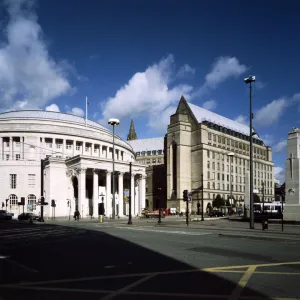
218 201
256 198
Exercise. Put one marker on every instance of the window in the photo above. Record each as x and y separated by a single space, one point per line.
13 181
31 201
7 156
208 185
58 146
148 153
13 201
159 152
154 152
69 145
143 153
214 138
213 155
213 165
209 136
31 180
218 176
18 144
77 146
7 144
208 175
208 164
18 156
208 153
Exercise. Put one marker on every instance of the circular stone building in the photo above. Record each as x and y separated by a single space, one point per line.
66 159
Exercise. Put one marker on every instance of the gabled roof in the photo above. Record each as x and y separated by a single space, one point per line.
202 115
147 144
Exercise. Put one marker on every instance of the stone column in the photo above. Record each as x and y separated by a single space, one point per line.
95 193
11 148
132 195
137 196
121 194
81 190
142 188
108 203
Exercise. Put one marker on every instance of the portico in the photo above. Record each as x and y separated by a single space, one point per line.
89 182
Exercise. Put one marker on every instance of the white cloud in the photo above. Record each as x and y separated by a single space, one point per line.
270 113
210 105
242 119
29 77
52 107
280 146
260 85
147 93
223 68
184 70
76 111
279 174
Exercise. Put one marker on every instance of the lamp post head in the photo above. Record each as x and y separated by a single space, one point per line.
249 79
230 154
113 122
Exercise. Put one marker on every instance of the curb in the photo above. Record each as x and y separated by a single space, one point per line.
253 237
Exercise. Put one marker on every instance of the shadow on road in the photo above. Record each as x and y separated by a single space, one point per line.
72 263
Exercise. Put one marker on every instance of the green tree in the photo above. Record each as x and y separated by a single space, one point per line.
218 201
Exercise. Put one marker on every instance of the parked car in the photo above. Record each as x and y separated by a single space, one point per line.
28 216
5 215
216 214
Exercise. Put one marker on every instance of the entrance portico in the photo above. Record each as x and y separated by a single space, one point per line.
89 182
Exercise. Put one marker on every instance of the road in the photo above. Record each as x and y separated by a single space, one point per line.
116 261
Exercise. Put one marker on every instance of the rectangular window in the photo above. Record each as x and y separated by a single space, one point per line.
208 165
69 145
18 156
31 180
7 156
208 175
13 181
208 153
209 136
77 147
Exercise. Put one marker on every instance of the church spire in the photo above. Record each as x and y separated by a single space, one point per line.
132 134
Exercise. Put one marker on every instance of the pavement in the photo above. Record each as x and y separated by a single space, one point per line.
113 260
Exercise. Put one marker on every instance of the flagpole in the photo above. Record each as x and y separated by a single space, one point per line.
86 110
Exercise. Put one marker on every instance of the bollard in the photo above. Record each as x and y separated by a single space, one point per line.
101 218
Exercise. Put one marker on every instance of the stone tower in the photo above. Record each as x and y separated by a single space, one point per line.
132 134
292 177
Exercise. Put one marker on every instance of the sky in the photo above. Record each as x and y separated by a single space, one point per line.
134 59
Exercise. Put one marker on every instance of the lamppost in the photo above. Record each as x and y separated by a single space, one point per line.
113 123
249 80
231 155
263 196
159 206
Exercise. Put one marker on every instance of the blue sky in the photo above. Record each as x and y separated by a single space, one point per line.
134 59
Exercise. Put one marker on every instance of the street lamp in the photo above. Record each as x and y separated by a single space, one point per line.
113 123
159 206
249 80
231 155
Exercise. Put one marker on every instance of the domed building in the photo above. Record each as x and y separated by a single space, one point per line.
67 159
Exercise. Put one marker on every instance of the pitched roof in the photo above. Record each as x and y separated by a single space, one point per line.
147 144
202 114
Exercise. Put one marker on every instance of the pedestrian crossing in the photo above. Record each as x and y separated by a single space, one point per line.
22 236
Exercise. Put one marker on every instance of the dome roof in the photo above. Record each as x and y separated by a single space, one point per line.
49 115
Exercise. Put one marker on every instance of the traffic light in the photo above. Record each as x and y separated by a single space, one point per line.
185 195
2 204
42 200
22 200
53 203
68 203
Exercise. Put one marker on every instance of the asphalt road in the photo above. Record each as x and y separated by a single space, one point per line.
115 261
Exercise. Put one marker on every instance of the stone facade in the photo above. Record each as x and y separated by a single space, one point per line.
292 177
60 157
198 143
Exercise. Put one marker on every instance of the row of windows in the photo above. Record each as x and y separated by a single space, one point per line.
237 160
153 160
13 180
13 202
149 153
231 132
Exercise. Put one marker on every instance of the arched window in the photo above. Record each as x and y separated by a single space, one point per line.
32 201
13 201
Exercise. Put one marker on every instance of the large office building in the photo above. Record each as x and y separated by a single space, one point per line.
67 159
208 155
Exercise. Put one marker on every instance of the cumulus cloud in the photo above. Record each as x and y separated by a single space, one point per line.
52 107
280 146
268 139
270 113
185 70
147 93
242 119
279 174
29 77
210 105
76 111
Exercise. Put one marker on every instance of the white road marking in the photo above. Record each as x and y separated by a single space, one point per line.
166 231
22 266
